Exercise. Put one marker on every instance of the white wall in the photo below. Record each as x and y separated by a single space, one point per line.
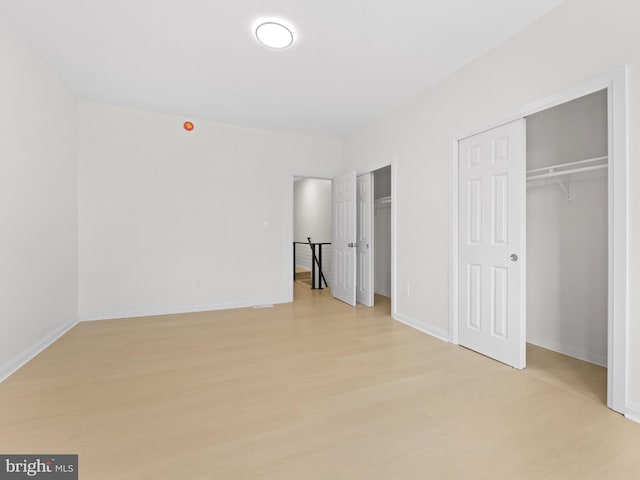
178 221
567 264
312 210
576 41
312 218
38 204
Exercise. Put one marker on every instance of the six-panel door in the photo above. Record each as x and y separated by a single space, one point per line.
491 313
344 238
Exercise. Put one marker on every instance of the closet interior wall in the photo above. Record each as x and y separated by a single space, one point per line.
567 251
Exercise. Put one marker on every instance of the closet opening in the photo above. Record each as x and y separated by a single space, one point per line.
373 238
382 236
567 251
576 303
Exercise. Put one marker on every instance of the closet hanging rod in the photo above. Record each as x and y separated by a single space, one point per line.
570 164
565 172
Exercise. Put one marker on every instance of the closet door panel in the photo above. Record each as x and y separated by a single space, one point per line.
491 239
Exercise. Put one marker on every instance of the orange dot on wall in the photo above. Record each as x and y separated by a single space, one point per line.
188 126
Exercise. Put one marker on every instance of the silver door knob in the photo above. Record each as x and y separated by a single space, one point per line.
352 245
513 257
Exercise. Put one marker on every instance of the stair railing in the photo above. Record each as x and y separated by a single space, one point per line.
316 263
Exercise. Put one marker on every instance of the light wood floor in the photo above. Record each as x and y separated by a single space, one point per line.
309 390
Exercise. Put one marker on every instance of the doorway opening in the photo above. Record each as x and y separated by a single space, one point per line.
312 253
357 213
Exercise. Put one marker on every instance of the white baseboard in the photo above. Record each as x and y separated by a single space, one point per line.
182 309
633 412
11 366
383 292
570 351
429 330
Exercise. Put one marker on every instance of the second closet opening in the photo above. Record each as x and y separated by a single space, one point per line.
567 236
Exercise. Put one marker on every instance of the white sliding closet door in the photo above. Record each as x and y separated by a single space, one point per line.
492 209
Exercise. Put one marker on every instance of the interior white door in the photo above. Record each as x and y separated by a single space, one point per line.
491 215
343 285
364 280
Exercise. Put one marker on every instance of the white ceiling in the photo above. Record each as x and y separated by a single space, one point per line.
352 61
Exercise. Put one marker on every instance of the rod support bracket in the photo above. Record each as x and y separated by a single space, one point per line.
567 189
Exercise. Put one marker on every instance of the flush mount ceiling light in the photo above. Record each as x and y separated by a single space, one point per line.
274 35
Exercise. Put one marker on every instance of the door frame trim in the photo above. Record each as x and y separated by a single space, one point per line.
615 83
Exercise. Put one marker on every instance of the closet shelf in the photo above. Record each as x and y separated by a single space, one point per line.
565 169
382 200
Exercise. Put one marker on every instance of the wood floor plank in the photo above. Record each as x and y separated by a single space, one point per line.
309 390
